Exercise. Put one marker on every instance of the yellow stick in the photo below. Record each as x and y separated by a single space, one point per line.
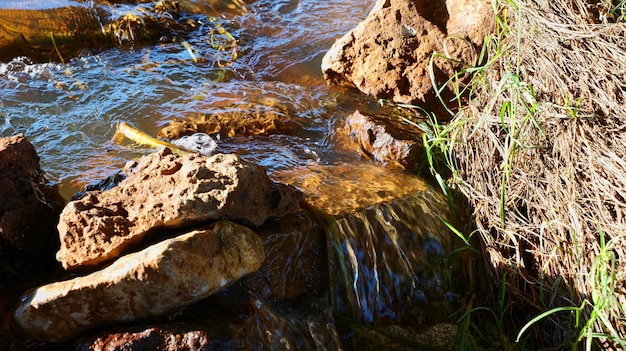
142 138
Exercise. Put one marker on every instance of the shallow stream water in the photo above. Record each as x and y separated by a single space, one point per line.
381 260
69 111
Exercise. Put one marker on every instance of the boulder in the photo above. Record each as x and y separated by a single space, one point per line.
158 280
386 140
164 190
388 55
29 203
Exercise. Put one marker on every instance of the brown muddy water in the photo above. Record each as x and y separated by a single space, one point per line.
389 273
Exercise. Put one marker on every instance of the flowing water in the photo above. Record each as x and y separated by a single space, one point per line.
388 263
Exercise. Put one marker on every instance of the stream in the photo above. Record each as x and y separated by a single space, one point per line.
388 269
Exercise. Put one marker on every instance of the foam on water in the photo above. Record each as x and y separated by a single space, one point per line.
200 142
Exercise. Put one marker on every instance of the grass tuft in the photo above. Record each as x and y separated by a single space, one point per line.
537 144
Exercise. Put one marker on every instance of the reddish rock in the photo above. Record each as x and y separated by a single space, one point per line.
167 337
164 190
385 140
29 209
29 204
153 282
470 19
388 55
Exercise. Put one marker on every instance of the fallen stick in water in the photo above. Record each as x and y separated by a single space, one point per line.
139 137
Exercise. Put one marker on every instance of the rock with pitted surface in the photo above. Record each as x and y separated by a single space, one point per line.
165 190
388 55
158 280
386 140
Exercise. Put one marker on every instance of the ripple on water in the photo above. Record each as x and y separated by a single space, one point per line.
69 110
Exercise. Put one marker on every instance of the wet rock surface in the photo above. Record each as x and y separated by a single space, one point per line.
157 280
388 54
296 263
386 140
164 190
401 245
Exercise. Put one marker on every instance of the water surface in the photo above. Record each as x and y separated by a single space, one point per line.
69 111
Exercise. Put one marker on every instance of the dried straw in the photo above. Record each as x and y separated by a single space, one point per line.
563 171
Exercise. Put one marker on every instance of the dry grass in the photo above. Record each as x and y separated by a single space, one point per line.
542 158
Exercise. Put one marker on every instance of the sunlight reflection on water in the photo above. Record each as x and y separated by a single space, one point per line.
69 111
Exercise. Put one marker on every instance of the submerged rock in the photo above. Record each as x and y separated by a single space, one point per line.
164 190
296 264
157 280
58 30
392 258
386 141
388 55
338 190
239 120
394 262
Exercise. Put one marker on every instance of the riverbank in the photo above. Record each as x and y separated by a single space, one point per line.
539 151
534 140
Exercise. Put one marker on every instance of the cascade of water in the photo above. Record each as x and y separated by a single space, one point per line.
390 264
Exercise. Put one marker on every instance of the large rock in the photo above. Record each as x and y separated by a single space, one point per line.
388 55
164 190
29 204
157 280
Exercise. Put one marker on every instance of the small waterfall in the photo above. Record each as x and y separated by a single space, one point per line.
389 263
